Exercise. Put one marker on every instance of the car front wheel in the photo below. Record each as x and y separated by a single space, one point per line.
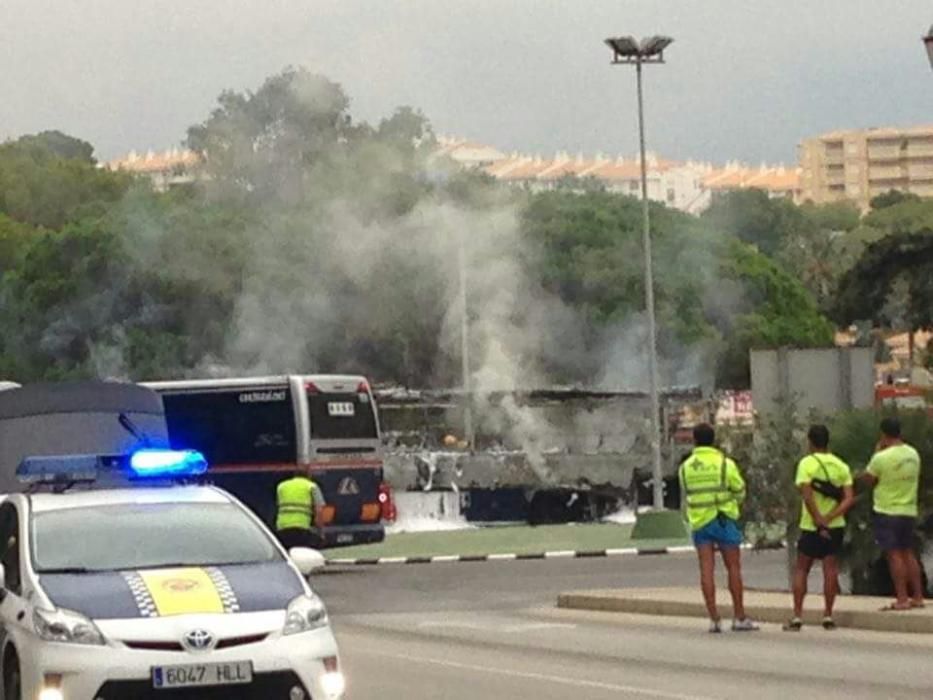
12 684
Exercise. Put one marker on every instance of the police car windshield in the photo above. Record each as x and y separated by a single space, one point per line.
139 536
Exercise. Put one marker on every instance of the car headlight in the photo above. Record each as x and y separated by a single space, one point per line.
65 626
305 613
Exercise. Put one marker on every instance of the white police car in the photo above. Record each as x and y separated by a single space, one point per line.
162 592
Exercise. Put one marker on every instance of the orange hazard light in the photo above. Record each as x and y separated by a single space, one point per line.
327 515
370 512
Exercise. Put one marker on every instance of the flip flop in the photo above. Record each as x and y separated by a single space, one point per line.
894 607
917 604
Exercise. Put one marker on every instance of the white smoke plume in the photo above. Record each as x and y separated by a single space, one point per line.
332 277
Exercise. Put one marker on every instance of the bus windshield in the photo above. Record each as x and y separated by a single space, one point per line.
341 416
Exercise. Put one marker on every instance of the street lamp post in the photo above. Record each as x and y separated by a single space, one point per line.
928 41
465 345
627 50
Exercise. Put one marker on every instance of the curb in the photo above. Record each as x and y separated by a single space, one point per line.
774 609
560 554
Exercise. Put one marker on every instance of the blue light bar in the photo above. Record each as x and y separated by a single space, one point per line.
61 468
153 463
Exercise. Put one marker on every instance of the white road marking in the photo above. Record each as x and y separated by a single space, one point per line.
543 677
494 627
501 557
560 554
454 625
392 560
532 626
446 557
621 552
681 549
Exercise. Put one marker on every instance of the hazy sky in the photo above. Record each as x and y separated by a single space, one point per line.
745 78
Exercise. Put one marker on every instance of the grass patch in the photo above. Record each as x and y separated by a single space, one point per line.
502 540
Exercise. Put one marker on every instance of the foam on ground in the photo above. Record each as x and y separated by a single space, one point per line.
426 524
623 516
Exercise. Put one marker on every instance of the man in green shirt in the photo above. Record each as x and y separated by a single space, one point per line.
825 484
894 472
713 491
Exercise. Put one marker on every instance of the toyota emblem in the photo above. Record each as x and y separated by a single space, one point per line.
198 640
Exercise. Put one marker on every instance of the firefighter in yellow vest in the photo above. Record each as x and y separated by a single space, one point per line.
297 503
713 490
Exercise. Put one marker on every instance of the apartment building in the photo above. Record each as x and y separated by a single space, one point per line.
859 164
778 181
165 170
677 184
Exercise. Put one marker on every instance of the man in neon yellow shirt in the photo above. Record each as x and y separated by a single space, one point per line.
713 490
894 472
825 484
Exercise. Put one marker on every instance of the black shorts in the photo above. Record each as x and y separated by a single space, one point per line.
816 546
894 531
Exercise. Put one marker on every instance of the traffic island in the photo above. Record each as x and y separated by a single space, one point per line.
660 525
854 612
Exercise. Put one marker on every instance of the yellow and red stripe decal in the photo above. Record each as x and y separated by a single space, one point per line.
182 591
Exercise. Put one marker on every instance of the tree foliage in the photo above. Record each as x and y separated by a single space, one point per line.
905 258
752 216
264 142
317 242
50 180
892 198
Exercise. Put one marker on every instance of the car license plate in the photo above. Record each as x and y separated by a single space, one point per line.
191 675
345 538
341 409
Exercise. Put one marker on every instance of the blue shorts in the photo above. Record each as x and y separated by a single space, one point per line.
721 531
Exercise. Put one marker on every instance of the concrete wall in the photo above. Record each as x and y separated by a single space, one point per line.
826 380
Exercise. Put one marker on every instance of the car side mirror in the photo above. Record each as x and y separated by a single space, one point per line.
307 560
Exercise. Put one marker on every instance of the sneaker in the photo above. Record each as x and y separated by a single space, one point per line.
829 623
715 626
744 625
795 624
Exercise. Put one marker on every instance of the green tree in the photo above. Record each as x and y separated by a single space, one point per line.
592 258
14 238
60 298
909 215
903 260
815 252
62 145
42 187
264 143
754 217
892 198
407 127
836 217
776 311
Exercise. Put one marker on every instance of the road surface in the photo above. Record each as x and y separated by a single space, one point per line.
490 630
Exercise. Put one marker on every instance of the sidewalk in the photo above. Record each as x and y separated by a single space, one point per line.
859 612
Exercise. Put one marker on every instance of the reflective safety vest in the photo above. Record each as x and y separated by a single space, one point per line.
711 485
295 500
